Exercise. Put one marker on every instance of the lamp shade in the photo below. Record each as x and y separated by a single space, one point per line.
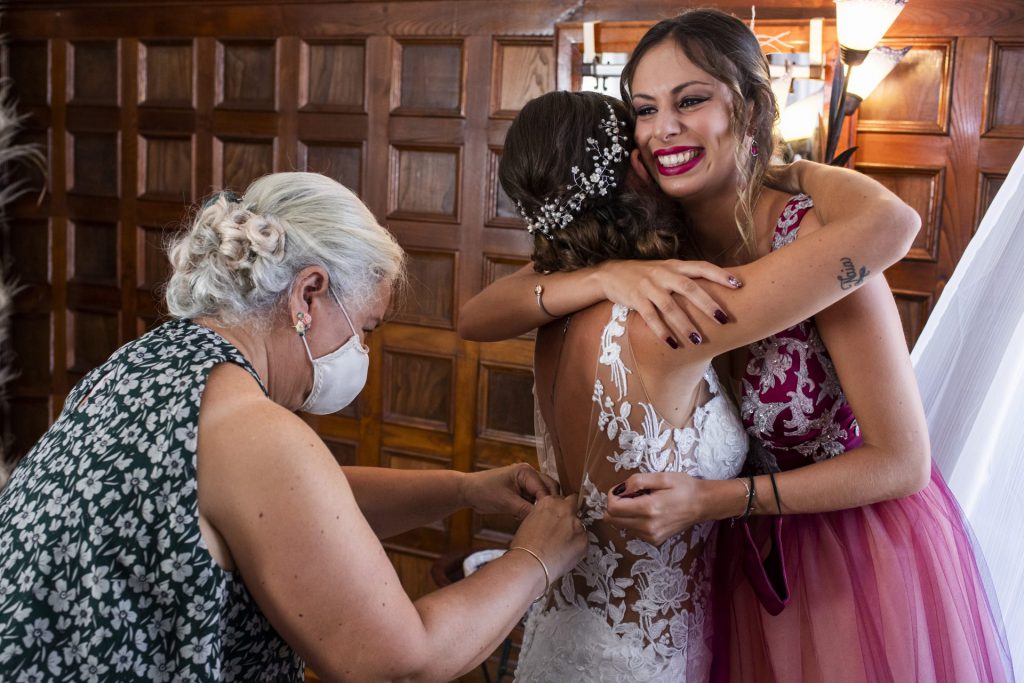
862 23
780 89
799 120
873 70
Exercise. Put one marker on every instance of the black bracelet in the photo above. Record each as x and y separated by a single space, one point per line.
775 489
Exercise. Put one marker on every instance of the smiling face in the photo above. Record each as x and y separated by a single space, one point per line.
684 126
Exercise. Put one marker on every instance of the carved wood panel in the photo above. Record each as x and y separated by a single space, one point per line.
333 75
165 168
94 164
94 72
914 98
523 69
1004 108
165 70
430 299
425 183
429 77
247 74
341 161
921 188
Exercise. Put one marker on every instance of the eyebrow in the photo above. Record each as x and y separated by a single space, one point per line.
675 91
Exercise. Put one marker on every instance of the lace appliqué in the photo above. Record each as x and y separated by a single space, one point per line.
638 609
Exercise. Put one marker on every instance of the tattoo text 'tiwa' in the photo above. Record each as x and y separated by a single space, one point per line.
850 276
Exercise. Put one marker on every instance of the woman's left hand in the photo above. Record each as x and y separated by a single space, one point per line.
507 490
655 506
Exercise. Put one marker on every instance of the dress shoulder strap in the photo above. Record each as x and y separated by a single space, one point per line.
789 221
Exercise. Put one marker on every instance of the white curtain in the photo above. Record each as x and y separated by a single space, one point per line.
970 366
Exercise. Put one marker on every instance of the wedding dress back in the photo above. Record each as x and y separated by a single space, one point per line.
630 610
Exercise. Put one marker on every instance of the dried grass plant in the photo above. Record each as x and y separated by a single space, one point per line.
15 158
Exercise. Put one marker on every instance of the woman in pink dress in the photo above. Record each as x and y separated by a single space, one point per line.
872 576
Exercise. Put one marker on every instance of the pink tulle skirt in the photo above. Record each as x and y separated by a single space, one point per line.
894 591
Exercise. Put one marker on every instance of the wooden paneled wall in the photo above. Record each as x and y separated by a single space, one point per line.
143 108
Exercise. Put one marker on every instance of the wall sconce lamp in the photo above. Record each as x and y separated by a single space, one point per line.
860 25
801 120
872 71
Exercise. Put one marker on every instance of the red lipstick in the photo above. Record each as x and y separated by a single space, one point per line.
680 168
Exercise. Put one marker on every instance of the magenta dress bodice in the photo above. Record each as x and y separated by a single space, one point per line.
894 591
791 398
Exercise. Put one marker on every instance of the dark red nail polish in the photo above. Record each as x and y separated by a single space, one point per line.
618 490
695 338
672 342
720 316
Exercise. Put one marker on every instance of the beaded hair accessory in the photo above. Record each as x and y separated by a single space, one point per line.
558 212
229 196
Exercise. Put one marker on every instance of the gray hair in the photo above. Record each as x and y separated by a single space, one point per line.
240 255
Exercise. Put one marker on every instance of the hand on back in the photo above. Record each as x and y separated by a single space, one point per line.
554 532
647 287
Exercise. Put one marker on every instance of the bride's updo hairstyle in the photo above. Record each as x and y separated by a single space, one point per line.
546 153
728 50
240 255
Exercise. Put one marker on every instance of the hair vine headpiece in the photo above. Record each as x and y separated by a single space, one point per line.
558 212
229 196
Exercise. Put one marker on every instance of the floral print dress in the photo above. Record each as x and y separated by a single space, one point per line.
104 575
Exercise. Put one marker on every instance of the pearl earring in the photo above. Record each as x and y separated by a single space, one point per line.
303 324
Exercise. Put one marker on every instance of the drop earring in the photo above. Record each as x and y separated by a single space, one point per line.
753 148
303 324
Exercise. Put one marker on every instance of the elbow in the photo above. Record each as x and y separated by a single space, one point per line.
906 224
917 472
465 327
407 666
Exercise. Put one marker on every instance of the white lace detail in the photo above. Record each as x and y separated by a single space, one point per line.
632 611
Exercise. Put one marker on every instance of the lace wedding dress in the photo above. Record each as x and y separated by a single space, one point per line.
632 611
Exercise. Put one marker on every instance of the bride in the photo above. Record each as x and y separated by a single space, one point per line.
614 399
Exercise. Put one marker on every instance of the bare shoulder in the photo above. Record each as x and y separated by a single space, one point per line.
248 445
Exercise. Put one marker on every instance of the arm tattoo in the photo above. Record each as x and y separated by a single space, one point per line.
850 276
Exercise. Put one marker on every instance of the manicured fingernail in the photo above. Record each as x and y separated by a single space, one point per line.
672 342
734 281
619 490
721 317
695 338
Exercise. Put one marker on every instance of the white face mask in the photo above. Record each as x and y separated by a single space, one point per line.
339 376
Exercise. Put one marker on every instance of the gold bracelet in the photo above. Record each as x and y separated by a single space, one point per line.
547 576
746 497
539 291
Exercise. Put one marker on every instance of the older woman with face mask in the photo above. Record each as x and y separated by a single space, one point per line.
180 522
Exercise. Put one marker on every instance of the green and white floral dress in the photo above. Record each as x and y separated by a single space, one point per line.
103 573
